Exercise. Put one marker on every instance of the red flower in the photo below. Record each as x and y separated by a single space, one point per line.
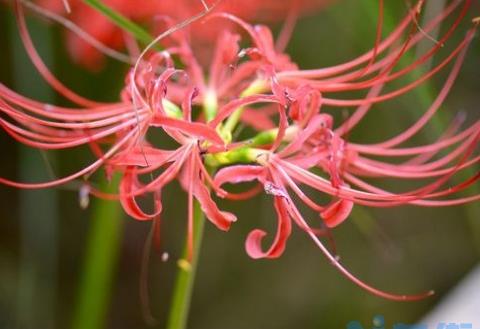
152 12
295 143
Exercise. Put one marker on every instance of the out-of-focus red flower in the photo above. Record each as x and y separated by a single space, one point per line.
152 12
98 26
293 142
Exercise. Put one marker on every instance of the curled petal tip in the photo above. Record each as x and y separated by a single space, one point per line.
221 193
337 213
253 244
231 218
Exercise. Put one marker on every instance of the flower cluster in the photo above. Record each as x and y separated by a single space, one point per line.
289 141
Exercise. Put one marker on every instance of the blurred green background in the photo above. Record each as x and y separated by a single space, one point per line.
44 234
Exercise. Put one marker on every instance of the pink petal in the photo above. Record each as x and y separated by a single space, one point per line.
337 212
316 123
226 110
187 104
141 157
226 52
221 219
196 129
253 244
258 120
127 198
282 127
238 174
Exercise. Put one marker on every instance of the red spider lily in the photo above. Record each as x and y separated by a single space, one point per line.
258 85
185 163
152 12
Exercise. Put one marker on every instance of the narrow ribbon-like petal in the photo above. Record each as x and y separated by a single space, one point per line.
127 199
221 219
337 212
253 244
196 129
238 174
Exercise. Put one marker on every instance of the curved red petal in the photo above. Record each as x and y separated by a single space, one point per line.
189 128
127 199
337 212
253 243
221 219
238 174
141 157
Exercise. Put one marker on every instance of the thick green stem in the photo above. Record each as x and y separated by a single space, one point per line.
183 288
100 263
182 293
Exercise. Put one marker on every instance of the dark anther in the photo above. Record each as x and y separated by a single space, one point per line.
195 93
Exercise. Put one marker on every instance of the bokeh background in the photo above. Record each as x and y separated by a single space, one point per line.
44 235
